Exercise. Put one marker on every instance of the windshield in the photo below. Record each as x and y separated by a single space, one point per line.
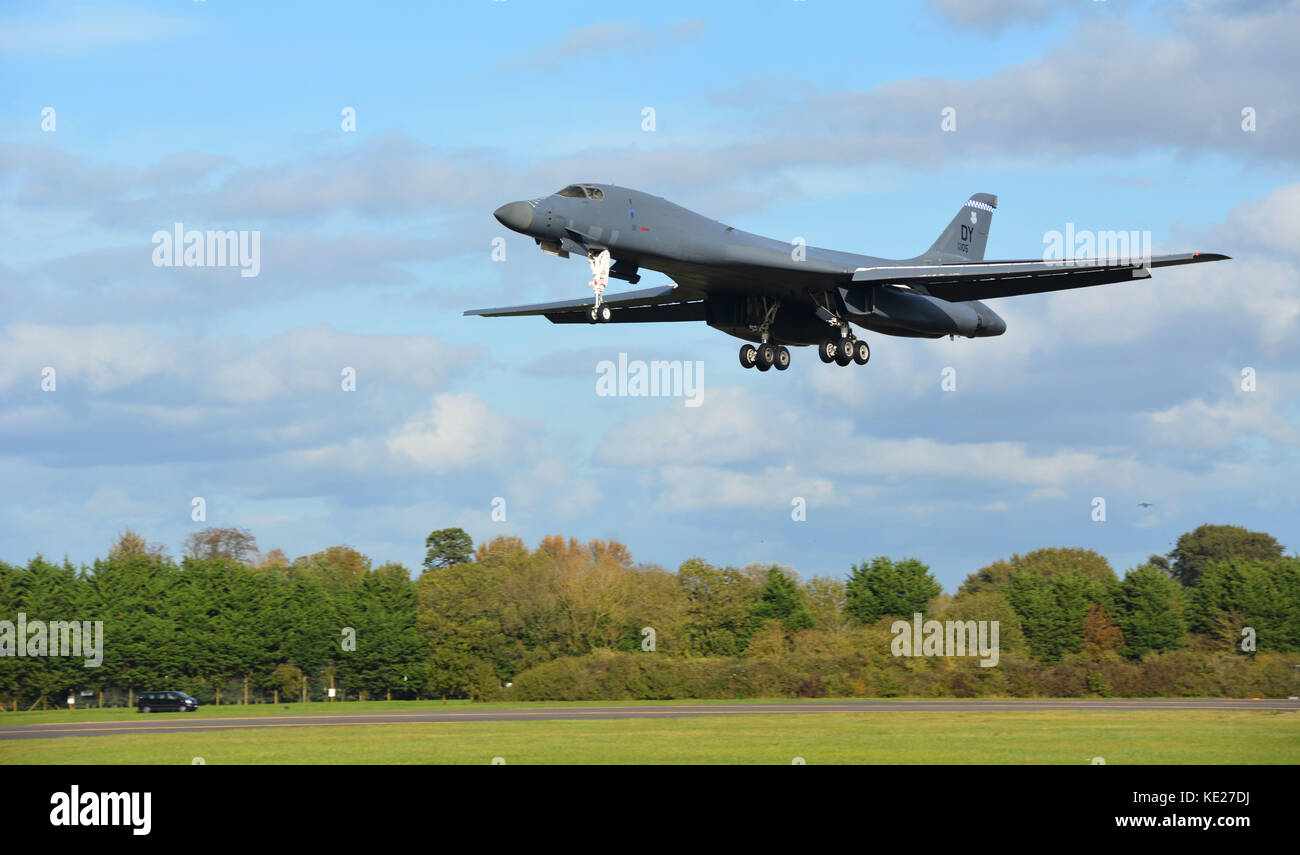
579 191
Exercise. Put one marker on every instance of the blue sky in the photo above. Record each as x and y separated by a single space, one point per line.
811 119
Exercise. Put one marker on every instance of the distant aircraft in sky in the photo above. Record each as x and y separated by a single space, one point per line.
776 294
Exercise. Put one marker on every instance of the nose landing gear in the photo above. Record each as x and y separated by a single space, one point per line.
599 261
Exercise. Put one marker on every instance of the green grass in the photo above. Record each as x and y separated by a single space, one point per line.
1075 737
63 716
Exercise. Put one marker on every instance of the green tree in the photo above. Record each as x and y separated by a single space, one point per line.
447 547
885 587
717 608
1236 594
1047 563
48 592
989 606
1053 611
1196 549
779 600
1149 610
825 599
388 656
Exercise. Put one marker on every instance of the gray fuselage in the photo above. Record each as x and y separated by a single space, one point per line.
730 268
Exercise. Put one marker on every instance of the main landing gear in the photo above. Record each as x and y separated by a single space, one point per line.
599 262
844 350
844 347
765 356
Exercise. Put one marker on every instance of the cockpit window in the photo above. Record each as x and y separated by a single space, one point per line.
579 191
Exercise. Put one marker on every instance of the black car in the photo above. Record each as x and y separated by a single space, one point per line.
166 702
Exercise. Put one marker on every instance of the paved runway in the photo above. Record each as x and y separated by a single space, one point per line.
195 722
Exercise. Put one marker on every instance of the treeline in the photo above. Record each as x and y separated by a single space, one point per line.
1218 615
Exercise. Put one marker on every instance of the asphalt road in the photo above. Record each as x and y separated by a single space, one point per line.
195 722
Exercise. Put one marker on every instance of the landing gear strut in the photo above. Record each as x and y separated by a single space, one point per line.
599 261
845 347
767 354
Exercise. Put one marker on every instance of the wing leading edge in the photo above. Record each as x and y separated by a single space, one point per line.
657 304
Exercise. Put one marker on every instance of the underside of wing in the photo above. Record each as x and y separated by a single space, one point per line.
661 303
989 279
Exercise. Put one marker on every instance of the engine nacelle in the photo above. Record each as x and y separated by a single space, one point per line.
925 315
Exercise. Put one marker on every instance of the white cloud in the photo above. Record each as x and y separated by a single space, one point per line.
1200 425
457 432
98 357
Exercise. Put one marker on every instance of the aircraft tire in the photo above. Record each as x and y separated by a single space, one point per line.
606 313
766 356
844 352
826 350
861 352
748 356
782 358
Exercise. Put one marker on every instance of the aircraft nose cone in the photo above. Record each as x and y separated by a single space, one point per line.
515 215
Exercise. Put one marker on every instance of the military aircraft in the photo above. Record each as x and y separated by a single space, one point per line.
776 294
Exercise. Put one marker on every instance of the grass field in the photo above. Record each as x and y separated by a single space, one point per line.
62 716
1074 737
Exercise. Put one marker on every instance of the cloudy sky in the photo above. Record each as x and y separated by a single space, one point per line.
814 119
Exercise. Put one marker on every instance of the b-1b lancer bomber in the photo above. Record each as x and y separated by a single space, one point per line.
775 294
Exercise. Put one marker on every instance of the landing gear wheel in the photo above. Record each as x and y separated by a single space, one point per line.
593 315
748 356
605 313
844 351
782 358
861 352
826 350
766 356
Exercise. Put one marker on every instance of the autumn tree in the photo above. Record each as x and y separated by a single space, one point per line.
130 543
1102 639
233 544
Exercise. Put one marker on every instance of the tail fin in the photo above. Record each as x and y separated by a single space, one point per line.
966 235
